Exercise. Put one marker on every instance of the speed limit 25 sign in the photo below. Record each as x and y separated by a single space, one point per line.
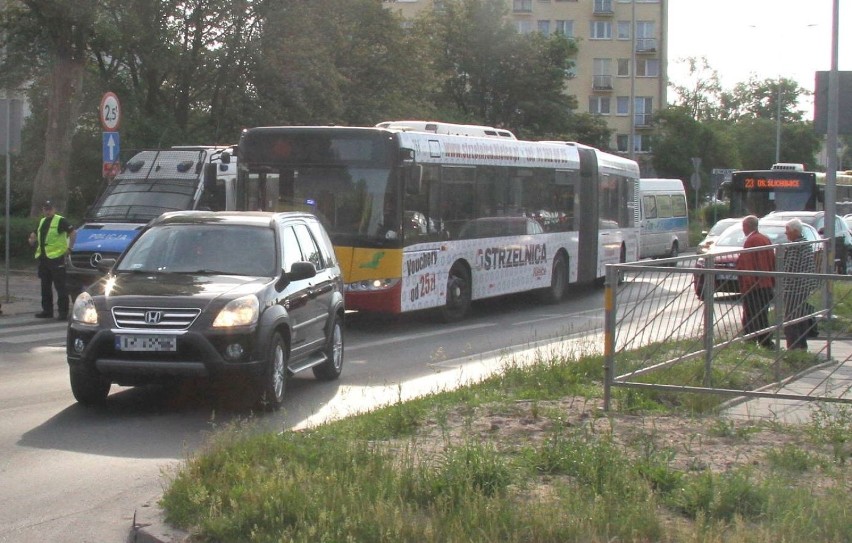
110 112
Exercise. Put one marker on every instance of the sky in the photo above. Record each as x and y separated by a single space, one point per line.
767 38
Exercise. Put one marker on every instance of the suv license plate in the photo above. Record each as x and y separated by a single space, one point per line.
146 343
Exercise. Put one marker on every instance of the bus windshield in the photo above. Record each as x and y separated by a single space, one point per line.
357 205
761 192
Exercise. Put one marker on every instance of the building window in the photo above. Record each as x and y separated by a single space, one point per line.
600 30
647 67
522 6
602 73
645 40
622 105
599 105
544 27
643 112
603 6
566 28
524 27
623 69
623 30
641 143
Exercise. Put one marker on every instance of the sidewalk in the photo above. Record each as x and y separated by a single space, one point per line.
24 299
832 378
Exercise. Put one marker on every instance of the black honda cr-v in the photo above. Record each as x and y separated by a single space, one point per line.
211 295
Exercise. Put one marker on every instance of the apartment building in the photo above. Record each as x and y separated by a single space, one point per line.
621 65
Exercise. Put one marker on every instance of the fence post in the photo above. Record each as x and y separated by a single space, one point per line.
780 305
609 331
709 294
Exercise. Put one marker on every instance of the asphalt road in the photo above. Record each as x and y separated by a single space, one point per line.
75 474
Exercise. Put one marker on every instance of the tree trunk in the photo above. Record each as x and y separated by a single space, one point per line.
63 108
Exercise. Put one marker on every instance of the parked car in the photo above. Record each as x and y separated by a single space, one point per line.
734 238
842 234
711 235
213 295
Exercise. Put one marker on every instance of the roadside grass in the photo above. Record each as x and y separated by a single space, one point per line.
524 456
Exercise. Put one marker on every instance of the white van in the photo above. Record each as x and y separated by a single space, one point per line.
663 218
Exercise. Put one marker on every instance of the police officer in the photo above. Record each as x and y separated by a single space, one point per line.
52 239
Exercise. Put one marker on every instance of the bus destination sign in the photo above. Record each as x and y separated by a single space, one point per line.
771 184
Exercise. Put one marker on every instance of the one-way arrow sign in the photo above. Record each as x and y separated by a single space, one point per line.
111 146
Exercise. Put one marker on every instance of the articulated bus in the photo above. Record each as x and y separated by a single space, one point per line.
434 221
762 191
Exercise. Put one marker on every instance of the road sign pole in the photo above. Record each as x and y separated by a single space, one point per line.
110 115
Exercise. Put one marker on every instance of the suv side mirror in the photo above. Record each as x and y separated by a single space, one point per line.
298 272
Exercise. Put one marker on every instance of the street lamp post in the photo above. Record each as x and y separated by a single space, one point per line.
778 124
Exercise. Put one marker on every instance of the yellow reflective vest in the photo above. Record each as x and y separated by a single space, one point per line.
56 243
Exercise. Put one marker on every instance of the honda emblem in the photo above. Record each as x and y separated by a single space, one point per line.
153 317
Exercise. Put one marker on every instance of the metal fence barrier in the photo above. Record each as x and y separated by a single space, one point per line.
664 313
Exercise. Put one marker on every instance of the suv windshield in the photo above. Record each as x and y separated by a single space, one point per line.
203 248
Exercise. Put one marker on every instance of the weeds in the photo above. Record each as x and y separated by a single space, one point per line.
435 469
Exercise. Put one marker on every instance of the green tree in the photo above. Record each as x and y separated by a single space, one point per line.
680 137
763 99
51 39
489 73
702 95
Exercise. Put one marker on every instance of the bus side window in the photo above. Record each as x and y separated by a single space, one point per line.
649 203
664 206
679 206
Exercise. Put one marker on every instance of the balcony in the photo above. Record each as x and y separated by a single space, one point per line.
646 45
602 82
603 8
643 120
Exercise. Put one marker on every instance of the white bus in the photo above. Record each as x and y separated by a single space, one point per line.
449 129
434 221
663 218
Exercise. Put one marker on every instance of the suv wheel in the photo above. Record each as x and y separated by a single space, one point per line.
274 379
333 365
88 387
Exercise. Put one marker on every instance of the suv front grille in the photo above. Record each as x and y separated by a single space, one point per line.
154 318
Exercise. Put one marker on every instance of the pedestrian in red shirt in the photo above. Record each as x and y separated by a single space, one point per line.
757 292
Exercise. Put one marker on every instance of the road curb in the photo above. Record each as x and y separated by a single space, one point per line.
149 526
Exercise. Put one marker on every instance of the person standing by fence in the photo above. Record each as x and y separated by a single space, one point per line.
797 259
756 291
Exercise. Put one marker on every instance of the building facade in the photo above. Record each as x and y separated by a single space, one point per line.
621 66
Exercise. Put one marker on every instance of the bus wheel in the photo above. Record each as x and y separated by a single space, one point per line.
558 281
458 294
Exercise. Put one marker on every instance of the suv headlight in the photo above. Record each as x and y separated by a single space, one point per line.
84 309
240 312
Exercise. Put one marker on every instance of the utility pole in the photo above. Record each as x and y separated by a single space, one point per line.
778 124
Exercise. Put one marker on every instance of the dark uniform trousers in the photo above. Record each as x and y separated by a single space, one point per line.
51 271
